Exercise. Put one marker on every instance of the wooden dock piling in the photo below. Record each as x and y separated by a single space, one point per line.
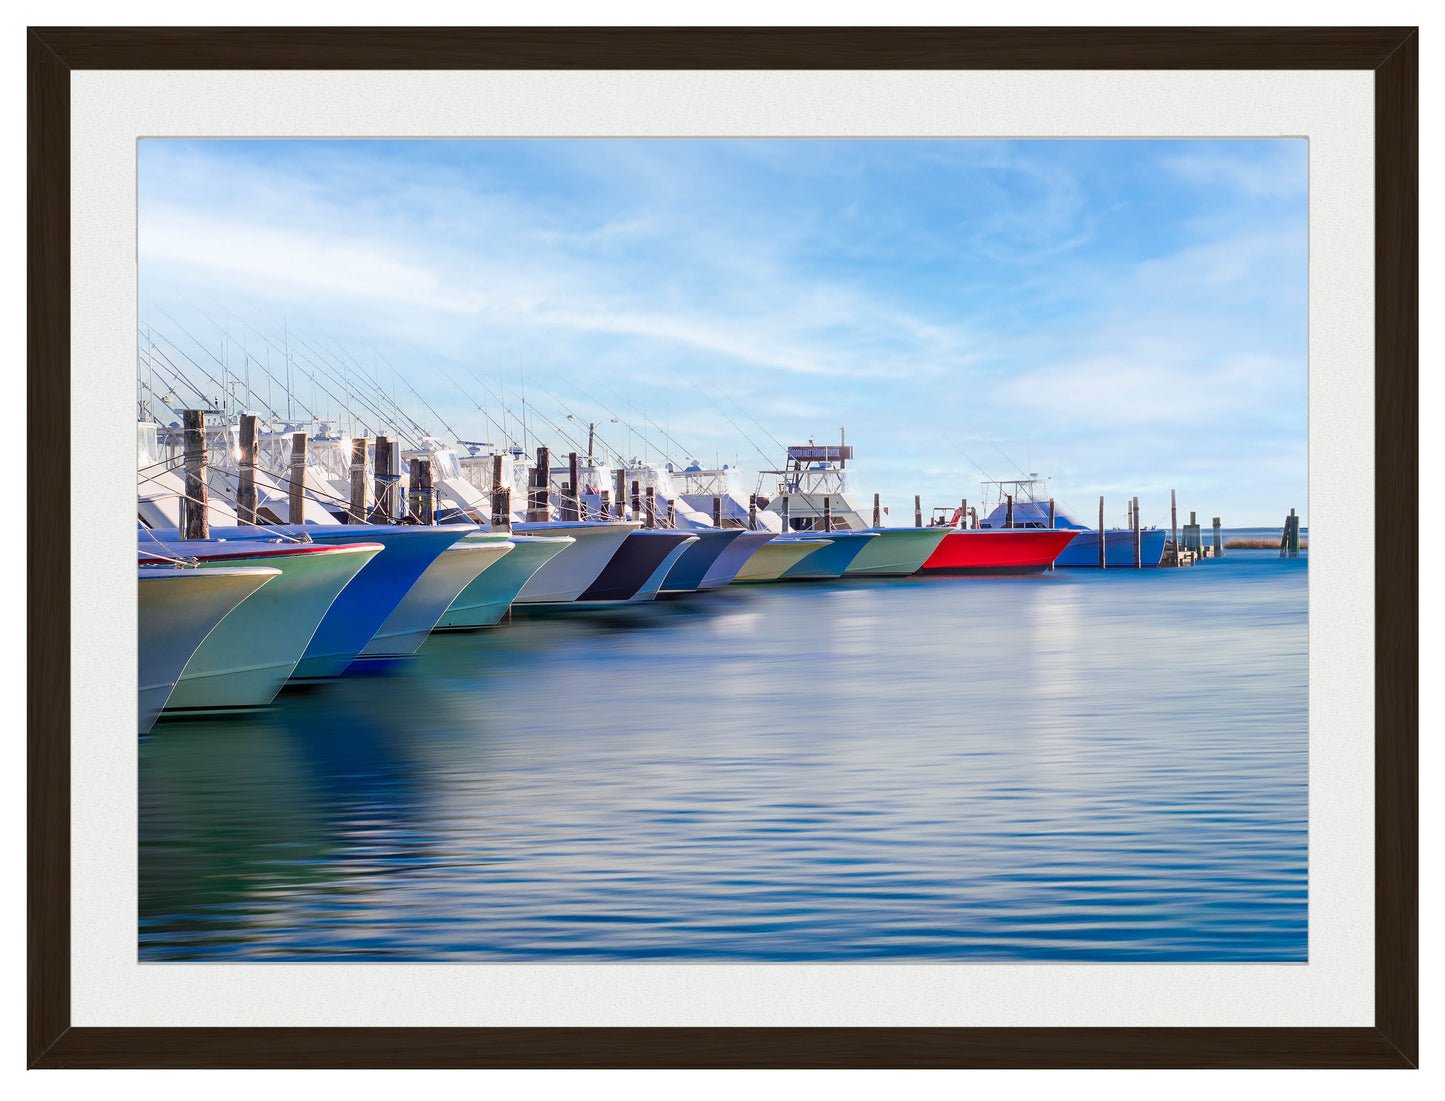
1174 528
753 512
246 477
604 505
539 503
501 498
651 507
356 513
1102 547
297 485
1008 518
1218 540
1134 526
572 503
1051 513
877 512
619 494
380 470
717 512
917 511
195 516
827 514
637 500
1289 540
963 514
421 491
783 512
1193 540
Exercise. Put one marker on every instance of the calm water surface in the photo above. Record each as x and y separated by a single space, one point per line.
1088 765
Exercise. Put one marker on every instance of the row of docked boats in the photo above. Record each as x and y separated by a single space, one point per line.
235 604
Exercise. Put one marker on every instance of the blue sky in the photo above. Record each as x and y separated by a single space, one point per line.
1125 317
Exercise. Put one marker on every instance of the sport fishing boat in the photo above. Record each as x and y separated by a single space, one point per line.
688 573
734 557
637 571
827 563
811 493
177 609
485 601
901 554
1019 550
697 488
566 575
248 658
780 553
454 571
361 608
1025 503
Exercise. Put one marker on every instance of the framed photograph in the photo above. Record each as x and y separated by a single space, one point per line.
723 547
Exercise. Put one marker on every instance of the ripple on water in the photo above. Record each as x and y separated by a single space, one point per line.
1082 766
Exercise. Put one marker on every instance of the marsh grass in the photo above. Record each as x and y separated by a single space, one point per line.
1259 544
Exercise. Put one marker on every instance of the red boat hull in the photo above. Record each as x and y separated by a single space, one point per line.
1012 550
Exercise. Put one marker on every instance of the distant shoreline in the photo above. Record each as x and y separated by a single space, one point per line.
1259 544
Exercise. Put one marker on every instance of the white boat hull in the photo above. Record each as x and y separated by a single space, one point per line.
774 558
453 571
568 575
897 552
733 558
247 659
177 609
485 601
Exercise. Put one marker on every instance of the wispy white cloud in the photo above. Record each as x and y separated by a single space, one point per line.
938 298
1271 170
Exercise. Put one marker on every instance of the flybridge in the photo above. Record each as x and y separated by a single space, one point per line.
813 453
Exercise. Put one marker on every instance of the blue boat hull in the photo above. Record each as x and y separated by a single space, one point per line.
827 563
1083 549
372 595
692 567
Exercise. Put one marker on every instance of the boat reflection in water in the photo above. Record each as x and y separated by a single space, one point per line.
980 768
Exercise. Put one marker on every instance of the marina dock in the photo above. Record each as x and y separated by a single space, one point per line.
459 536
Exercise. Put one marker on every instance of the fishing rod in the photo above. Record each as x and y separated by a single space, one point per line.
595 437
612 414
647 421
273 412
393 411
357 400
205 398
486 416
556 428
423 432
743 410
271 341
383 404
615 417
177 378
592 432
751 442
415 393
320 361
317 366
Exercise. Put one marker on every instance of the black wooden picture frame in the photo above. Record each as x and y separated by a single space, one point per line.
1390 53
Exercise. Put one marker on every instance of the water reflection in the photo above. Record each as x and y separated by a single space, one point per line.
1079 766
